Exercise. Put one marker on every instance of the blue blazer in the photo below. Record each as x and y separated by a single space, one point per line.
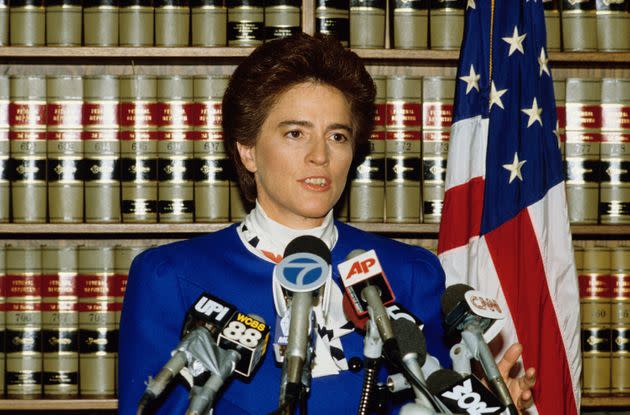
165 281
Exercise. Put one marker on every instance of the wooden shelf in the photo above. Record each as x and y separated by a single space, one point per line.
167 229
394 55
606 402
58 404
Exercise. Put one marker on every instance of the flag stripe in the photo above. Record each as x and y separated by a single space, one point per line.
458 227
519 264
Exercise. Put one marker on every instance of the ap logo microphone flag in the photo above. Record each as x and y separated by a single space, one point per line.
505 228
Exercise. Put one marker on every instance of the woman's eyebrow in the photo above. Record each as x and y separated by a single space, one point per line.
308 124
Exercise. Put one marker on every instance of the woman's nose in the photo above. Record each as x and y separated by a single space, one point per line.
318 152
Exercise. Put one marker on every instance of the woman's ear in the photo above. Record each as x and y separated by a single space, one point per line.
247 154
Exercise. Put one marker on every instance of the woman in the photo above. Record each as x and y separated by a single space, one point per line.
294 114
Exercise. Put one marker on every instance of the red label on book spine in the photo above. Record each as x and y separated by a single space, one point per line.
615 137
615 117
583 116
208 114
27 114
380 115
216 135
102 135
139 135
435 136
561 112
120 285
582 137
101 114
60 306
178 135
56 285
66 113
595 286
92 286
96 307
64 135
437 115
378 136
23 285
27 135
404 135
176 114
621 286
138 114
33 306
404 114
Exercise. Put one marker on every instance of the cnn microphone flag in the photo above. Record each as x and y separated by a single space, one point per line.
505 228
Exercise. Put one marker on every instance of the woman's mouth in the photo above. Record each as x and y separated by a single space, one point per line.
316 183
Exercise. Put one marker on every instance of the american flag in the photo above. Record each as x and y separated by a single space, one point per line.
505 228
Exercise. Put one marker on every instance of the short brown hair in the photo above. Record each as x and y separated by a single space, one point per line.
278 65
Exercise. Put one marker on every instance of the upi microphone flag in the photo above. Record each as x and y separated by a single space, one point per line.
505 228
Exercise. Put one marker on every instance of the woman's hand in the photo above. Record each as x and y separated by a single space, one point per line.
520 388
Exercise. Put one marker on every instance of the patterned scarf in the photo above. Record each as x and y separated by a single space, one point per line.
268 239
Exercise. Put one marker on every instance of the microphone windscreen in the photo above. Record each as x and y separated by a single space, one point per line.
308 244
452 296
441 380
410 339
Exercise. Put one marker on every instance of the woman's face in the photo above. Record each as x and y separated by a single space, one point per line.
302 155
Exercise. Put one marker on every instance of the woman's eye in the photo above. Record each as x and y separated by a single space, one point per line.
294 134
340 138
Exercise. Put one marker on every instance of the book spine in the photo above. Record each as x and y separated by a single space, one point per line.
446 24
27 136
3 312
579 25
332 17
60 322
620 314
63 23
212 185
411 24
246 23
4 23
101 149
123 257
65 149
5 151
583 131
23 322
98 338
136 23
403 149
175 149
208 23
367 23
437 117
282 18
560 91
614 203
138 148
552 25
100 22
595 308
172 23
613 25
27 23
367 185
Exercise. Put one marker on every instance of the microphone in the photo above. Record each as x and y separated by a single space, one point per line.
479 319
463 394
304 269
369 292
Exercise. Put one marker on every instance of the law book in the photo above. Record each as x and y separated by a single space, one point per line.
446 24
583 131
410 24
65 148
620 320
138 148
282 18
552 25
4 23
208 22
5 150
367 24
614 201
332 17
123 257
246 23
27 136
101 149
367 180
100 22
98 347
63 22
579 26
3 309
135 23
595 310
60 321
212 184
613 25
23 282
172 23
175 149
403 150
27 23
560 93
438 94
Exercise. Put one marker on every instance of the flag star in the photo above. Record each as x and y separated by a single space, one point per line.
556 132
471 5
542 62
516 42
515 168
534 114
472 80
495 96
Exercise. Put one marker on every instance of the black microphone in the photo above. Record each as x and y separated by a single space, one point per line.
304 269
463 394
476 316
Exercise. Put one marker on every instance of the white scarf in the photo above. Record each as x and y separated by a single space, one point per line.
268 239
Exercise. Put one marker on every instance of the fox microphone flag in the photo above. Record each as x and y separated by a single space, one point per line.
505 228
